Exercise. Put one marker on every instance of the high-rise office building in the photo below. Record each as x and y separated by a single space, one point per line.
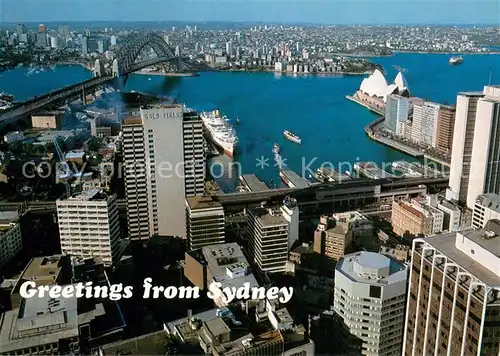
453 303
165 162
425 123
89 226
114 40
42 28
270 229
41 39
21 29
445 126
485 159
396 114
370 296
85 45
10 236
229 48
487 208
463 140
205 222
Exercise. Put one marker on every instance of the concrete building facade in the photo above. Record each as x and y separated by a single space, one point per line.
487 208
453 295
205 222
396 113
89 226
445 127
370 296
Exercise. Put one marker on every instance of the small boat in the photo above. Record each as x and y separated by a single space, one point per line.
276 149
237 120
292 137
456 60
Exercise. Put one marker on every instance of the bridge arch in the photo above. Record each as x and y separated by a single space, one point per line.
134 44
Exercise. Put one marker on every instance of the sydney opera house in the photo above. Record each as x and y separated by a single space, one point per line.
375 89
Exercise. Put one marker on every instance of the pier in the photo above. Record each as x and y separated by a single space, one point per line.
253 184
371 171
326 175
376 111
415 170
293 180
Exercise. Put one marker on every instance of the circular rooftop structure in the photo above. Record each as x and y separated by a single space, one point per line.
371 265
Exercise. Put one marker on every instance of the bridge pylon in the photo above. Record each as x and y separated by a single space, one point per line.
116 68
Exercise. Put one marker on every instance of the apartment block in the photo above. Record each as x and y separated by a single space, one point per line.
487 208
205 222
270 231
89 226
425 123
370 296
396 114
11 242
453 304
331 240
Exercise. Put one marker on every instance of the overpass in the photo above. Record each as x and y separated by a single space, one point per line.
348 194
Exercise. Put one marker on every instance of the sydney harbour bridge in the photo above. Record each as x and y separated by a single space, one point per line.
126 62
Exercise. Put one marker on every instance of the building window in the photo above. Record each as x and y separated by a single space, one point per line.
375 292
472 251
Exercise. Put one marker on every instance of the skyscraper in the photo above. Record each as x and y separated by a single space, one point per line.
463 140
165 162
41 39
270 229
396 114
425 123
205 222
485 159
89 226
370 295
85 45
445 126
20 29
453 303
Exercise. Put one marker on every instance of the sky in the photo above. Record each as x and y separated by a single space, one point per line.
281 11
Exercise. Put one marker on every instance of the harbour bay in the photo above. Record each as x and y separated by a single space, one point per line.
313 107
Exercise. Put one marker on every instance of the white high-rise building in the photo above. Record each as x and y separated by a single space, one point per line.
229 48
485 159
113 40
271 232
475 161
370 296
164 163
11 242
425 123
463 140
396 114
89 226
487 208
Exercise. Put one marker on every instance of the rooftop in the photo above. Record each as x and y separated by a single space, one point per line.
217 326
490 201
253 183
267 218
8 216
93 194
38 321
150 344
371 268
43 270
446 244
202 202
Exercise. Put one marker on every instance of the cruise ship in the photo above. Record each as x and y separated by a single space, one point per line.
456 60
221 131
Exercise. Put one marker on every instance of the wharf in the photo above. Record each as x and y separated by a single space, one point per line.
293 180
415 170
396 145
329 175
352 98
371 171
253 184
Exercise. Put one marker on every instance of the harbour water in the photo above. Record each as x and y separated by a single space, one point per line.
313 107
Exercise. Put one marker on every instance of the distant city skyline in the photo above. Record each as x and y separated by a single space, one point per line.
275 11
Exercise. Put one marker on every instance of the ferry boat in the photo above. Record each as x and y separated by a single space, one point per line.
221 131
292 137
456 60
276 149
